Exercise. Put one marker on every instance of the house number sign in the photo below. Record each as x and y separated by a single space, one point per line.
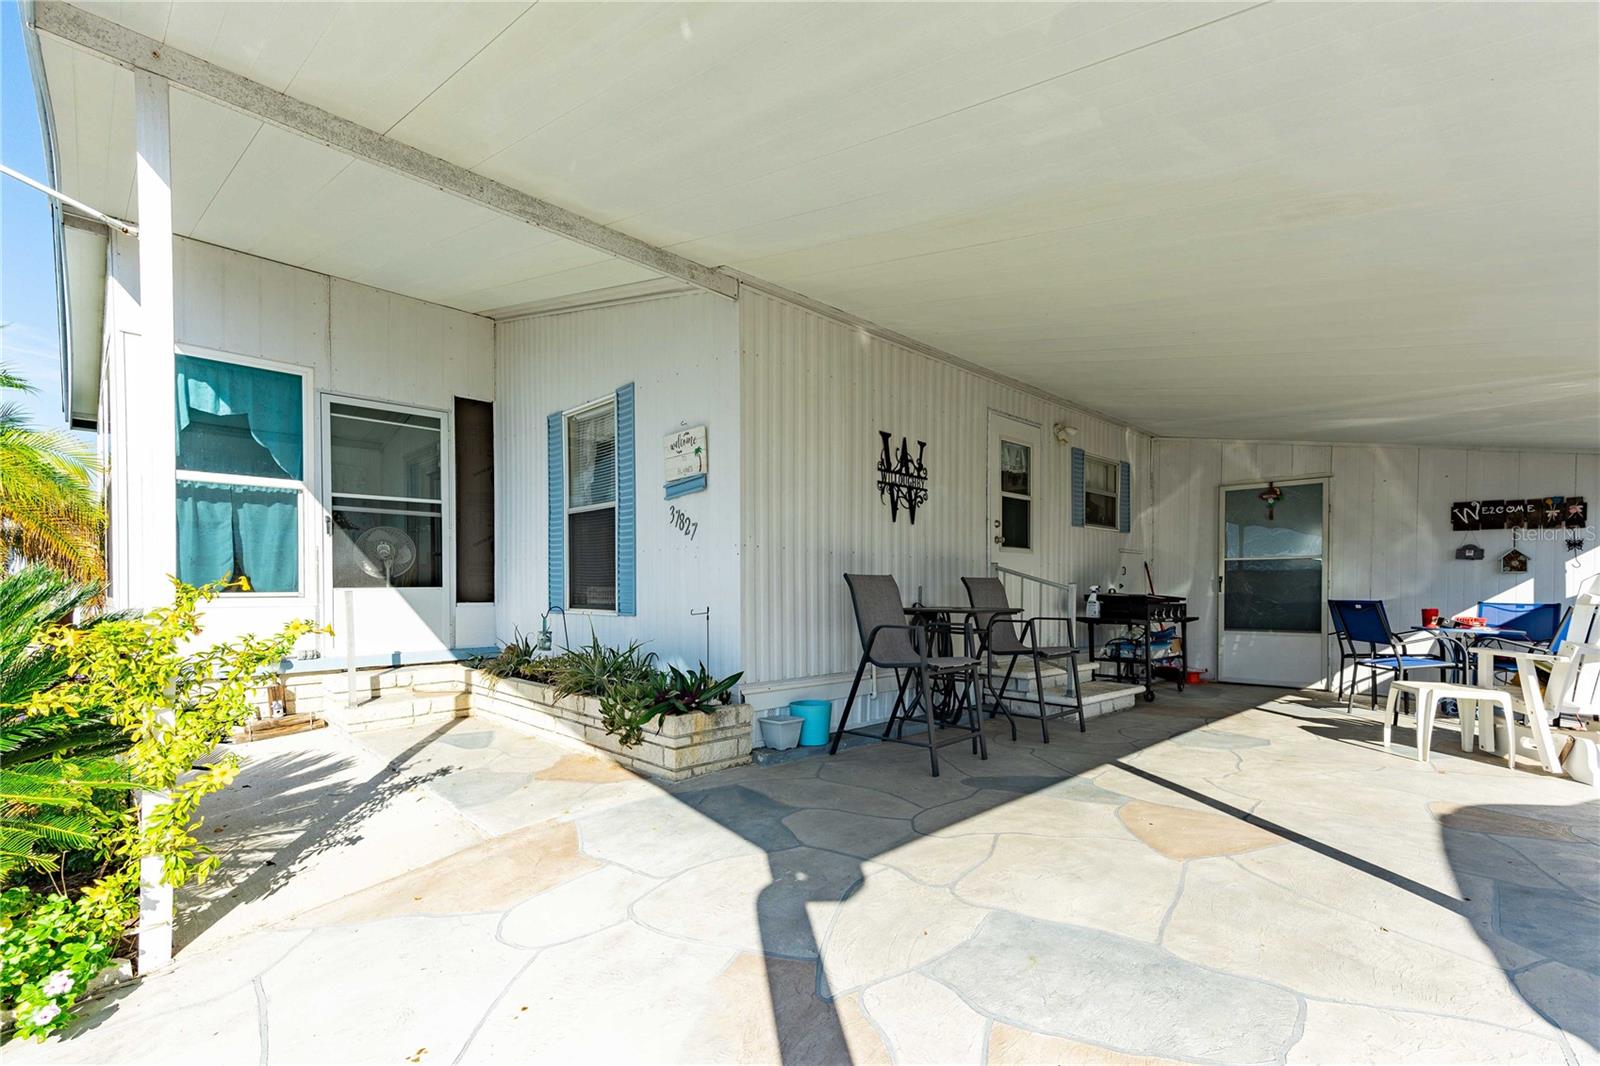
682 522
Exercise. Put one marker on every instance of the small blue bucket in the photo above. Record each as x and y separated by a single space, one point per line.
818 716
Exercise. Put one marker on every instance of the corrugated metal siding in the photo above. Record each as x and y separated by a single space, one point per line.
815 394
1389 533
681 354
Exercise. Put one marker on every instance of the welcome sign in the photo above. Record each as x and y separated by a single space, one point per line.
1543 512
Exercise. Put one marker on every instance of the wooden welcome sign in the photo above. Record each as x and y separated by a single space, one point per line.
1546 512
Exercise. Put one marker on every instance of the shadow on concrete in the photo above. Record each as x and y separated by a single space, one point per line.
805 1016
284 811
1540 913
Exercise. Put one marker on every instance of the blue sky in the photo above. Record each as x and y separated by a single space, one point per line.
29 344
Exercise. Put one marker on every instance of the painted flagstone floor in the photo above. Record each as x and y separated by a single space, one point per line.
1229 875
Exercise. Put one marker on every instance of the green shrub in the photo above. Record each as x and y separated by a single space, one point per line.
123 705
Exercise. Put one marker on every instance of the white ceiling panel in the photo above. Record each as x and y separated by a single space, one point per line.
1343 221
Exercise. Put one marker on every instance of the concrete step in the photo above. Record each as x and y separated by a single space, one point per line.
397 710
1099 697
432 679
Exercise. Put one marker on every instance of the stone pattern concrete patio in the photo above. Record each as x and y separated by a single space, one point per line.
1228 875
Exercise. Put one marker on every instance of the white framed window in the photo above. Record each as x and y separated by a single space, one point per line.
591 506
242 449
1016 495
1100 487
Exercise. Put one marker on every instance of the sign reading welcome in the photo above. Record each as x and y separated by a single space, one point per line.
1545 512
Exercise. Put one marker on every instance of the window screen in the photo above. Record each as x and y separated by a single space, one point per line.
592 508
1100 492
387 497
474 432
240 459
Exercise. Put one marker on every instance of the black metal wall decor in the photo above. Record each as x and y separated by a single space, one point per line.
1469 551
1543 512
902 478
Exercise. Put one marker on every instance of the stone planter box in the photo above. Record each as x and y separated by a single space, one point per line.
675 747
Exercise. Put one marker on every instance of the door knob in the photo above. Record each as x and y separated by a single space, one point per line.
999 539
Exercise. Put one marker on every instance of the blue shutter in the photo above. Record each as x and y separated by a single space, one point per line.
627 595
556 494
1077 487
1125 497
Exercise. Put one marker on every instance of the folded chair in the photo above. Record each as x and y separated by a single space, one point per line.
890 643
1002 641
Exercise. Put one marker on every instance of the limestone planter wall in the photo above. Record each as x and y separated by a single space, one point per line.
685 746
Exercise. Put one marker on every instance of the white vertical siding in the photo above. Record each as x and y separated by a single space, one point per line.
815 394
681 353
1389 534
353 339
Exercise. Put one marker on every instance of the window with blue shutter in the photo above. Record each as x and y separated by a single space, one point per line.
557 493
1078 515
593 536
1125 497
627 597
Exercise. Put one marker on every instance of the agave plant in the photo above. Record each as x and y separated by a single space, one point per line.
49 510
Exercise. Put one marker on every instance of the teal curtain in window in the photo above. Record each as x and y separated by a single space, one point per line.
236 419
228 532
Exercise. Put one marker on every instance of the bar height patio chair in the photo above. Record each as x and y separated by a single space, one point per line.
890 643
1001 640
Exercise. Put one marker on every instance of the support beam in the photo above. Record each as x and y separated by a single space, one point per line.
140 53
148 464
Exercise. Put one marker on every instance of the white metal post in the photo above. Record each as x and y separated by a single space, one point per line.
148 463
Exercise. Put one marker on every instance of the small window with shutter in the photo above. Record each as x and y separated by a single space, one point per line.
591 506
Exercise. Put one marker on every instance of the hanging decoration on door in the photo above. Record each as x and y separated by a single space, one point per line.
1270 496
902 478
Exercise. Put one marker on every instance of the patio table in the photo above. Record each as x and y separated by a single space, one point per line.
1464 638
939 630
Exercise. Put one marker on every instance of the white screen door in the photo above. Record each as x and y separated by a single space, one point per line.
1273 585
389 527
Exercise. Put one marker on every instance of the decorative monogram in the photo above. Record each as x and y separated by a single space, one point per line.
902 479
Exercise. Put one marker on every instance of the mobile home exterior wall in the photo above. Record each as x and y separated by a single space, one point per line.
1389 533
816 393
353 340
680 353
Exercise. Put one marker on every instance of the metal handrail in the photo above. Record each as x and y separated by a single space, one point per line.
998 569
1069 588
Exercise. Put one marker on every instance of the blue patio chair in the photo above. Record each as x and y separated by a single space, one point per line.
1347 651
1537 622
1530 619
1367 623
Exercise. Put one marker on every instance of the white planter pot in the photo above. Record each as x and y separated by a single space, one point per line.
781 731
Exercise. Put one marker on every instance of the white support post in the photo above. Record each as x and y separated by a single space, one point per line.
147 465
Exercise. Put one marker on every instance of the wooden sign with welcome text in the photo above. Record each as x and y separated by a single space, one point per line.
1545 512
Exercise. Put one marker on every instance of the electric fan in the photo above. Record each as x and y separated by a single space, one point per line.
387 552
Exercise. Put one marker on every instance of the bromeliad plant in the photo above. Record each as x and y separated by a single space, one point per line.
124 704
631 689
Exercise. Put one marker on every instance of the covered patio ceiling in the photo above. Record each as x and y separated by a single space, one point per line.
1345 222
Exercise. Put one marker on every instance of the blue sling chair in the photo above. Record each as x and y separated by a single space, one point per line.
1365 622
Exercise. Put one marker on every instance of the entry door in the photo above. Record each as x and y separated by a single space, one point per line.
1016 519
388 527
1272 577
